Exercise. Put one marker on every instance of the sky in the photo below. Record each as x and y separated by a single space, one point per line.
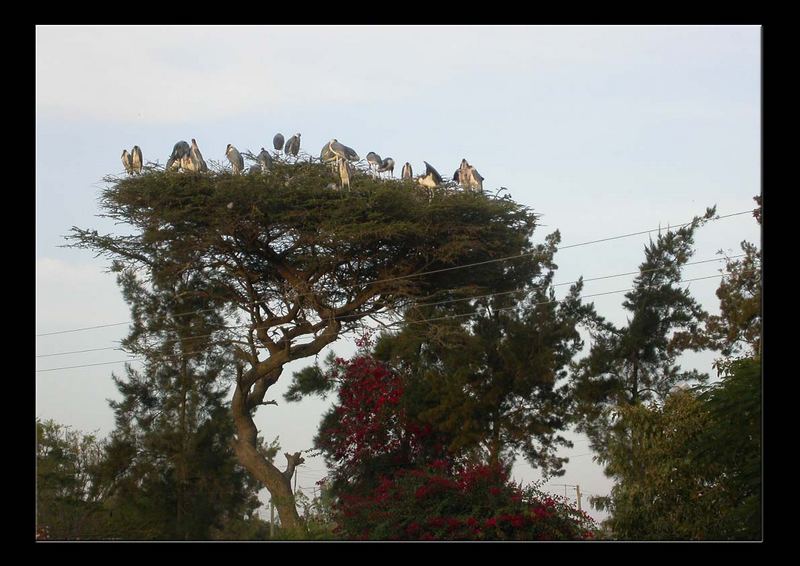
602 130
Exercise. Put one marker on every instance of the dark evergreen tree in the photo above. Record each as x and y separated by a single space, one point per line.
637 362
493 382
170 462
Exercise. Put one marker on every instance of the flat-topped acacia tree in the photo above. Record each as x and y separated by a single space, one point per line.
298 264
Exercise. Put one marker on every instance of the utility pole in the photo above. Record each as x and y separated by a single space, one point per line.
577 489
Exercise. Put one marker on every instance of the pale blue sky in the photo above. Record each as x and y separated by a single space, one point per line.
603 130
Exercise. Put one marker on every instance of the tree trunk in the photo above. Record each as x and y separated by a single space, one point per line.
276 482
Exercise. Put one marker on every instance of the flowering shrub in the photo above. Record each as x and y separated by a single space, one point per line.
366 422
466 503
393 480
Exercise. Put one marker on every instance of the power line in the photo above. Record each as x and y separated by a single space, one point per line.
162 358
392 324
84 328
78 352
548 302
638 272
438 270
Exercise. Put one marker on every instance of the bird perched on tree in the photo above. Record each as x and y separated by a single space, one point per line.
349 153
126 162
374 160
198 163
345 172
431 178
387 165
327 155
476 180
235 158
335 150
277 142
292 146
255 168
136 160
264 160
407 173
460 172
468 177
180 152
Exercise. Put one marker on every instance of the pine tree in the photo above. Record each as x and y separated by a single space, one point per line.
170 461
636 363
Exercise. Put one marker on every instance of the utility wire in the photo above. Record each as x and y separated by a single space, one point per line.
78 352
299 343
416 305
388 325
439 270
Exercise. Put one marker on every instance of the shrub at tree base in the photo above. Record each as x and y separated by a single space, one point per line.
471 503
393 479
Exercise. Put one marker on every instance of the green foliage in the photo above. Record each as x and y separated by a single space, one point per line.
490 382
737 329
241 528
447 502
68 495
318 514
288 224
170 463
637 362
688 464
691 469
733 442
311 380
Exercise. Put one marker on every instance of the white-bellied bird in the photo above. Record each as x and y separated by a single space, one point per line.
468 177
126 161
235 158
136 160
431 178
407 172
476 180
180 151
198 163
